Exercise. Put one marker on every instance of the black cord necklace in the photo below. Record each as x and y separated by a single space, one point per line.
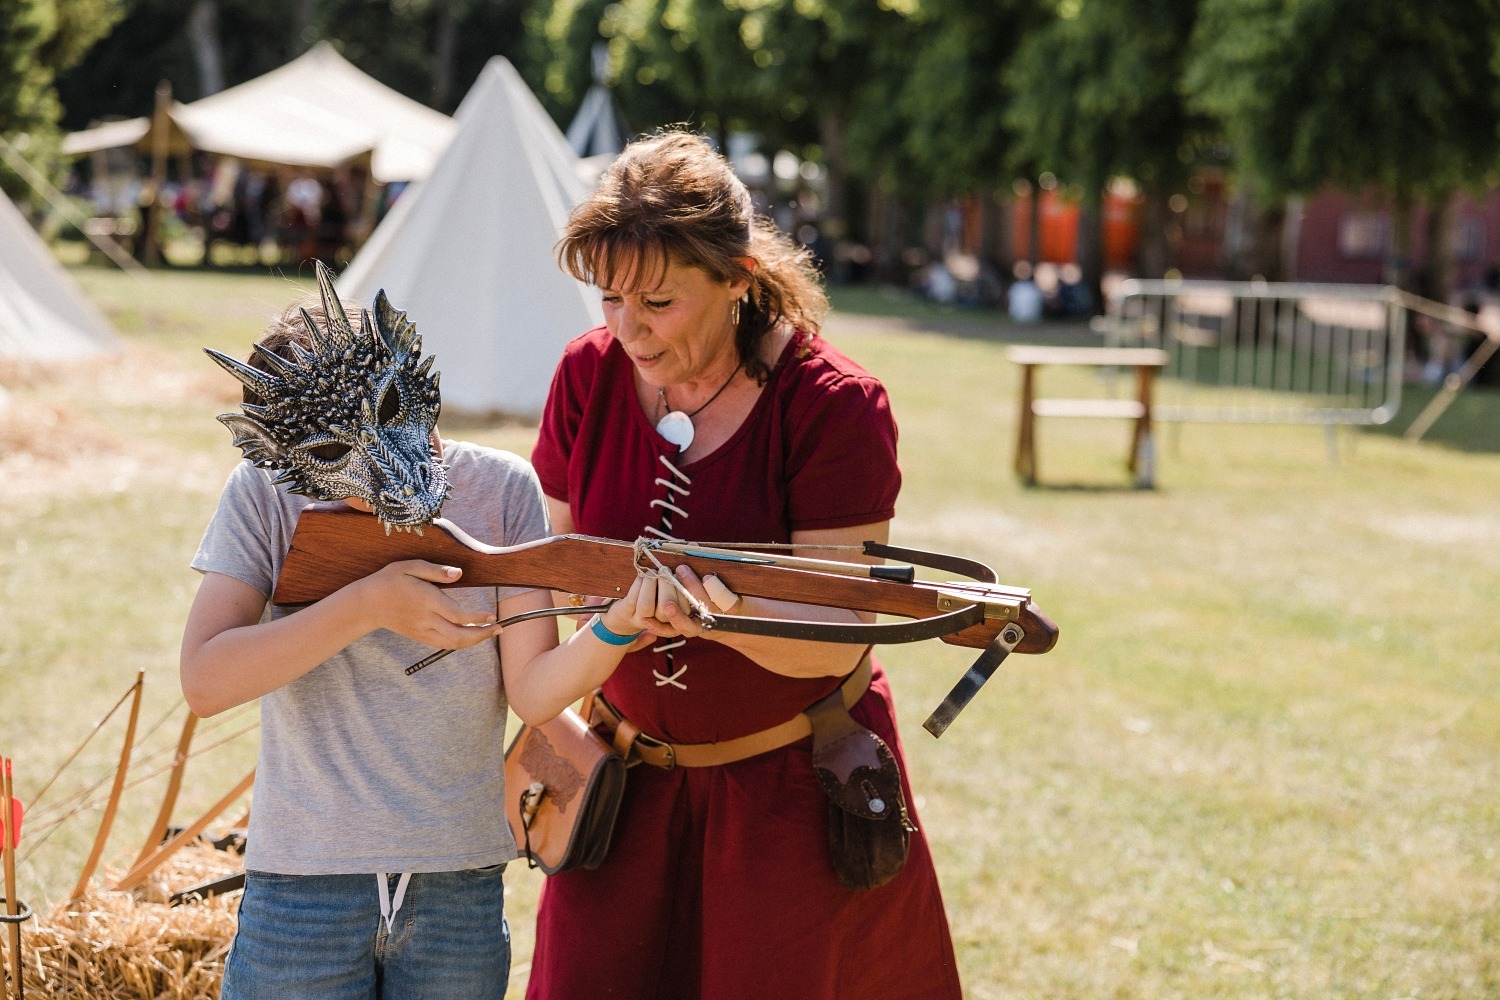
676 426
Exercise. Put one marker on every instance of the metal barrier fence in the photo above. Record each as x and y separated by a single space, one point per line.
1260 352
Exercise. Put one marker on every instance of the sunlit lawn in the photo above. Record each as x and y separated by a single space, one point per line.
1261 762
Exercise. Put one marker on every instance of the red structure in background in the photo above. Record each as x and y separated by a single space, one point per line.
1058 229
1332 236
1348 237
1122 230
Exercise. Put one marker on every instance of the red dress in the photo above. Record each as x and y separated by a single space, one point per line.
718 884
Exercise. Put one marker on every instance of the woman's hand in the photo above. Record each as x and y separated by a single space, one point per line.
668 616
404 598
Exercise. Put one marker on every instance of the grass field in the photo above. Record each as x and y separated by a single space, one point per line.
1261 762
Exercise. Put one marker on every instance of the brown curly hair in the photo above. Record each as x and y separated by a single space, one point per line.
671 198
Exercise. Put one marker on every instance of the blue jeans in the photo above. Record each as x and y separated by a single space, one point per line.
321 937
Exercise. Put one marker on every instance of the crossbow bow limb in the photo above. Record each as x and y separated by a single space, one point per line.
335 545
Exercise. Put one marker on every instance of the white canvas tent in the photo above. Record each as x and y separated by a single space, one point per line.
595 133
44 315
319 110
468 253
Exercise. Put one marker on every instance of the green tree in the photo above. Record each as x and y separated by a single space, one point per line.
939 107
39 39
794 72
1354 93
1098 94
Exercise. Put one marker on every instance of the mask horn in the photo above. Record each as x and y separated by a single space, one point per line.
399 333
265 386
338 322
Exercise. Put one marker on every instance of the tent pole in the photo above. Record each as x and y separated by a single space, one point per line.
160 125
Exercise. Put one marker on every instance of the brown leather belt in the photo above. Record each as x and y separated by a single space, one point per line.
634 745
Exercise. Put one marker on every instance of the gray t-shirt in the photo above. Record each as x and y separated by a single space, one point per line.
363 768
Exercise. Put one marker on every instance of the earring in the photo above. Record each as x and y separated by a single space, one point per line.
734 314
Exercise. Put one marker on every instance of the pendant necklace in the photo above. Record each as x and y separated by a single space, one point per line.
676 426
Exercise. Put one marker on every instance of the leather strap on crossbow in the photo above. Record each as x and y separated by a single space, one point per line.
849 632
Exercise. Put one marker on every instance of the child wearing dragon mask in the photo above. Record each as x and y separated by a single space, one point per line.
365 771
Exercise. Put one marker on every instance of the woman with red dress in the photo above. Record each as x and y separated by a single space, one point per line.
708 408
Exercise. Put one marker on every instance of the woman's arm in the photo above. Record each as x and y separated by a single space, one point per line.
790 657
230 657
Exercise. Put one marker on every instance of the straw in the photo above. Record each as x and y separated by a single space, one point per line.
128 945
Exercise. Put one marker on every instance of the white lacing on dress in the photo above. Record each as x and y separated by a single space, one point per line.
676 486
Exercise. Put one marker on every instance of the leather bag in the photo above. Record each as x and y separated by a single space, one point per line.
869 829
563 786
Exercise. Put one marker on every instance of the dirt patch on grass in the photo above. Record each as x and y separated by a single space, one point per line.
151 377
49 429
1440 529
53 443
47 449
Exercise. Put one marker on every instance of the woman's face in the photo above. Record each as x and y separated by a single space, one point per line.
678 328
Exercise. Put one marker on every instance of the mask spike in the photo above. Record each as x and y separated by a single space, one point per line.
281 366
338 322
320 342
264 385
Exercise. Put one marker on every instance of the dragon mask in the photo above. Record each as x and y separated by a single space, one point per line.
349 414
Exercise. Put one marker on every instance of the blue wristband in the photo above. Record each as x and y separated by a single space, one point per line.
603 633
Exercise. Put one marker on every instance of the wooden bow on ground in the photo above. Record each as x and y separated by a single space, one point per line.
335 545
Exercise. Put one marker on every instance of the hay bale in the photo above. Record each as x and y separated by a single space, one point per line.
133 945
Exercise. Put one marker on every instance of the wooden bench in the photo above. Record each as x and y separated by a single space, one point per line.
1146 361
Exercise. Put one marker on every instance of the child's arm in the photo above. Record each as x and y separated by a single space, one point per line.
230 657
542 677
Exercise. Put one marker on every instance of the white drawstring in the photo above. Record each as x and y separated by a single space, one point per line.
669 506
672 486
675 491
675 470
389 907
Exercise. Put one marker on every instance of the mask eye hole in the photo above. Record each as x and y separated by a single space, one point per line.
330 452
390 405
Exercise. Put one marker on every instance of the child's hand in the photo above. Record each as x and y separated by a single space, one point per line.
404 598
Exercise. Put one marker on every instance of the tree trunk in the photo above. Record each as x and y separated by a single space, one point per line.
445 45
999 242
1034 228
1398 269
203 36
1252 245
887 228
835 222
1153 252
1436 278
1091 244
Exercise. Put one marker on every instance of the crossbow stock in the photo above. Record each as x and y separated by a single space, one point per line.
335 545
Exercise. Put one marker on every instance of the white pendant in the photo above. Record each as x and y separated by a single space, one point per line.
676 427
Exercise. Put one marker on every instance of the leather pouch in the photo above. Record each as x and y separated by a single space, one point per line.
868 827
563 786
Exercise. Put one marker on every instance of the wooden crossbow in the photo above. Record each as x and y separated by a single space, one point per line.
335 545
